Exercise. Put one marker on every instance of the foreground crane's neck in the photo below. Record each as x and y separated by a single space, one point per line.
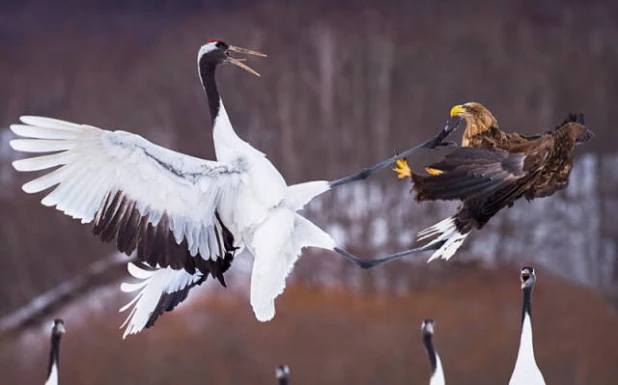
431 353
437 374
526 349
527 306
225 139
54 358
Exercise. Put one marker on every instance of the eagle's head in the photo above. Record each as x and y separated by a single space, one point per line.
574 127
478 118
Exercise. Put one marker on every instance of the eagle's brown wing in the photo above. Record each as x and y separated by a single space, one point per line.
468 172
478 210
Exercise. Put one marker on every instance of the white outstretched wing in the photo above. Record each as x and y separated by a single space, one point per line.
160 202
127 185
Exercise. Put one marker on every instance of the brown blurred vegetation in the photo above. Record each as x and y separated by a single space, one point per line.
335 336
344 85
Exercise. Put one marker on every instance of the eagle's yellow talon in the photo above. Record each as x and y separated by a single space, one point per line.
402 169
433 171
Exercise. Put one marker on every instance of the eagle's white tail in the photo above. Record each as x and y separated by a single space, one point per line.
444 231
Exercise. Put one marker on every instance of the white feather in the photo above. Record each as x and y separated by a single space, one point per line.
43 162
51 123
41 145
53 375
42 133
444 231
277 245
438 376
298 195
153 286
526 371
138 272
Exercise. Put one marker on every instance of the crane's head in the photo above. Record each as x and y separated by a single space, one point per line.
58 327
282 372
216 52
527 277
427 327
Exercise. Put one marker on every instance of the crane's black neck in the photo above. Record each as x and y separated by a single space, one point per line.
54 352
283 380
431 353
527 307
207 76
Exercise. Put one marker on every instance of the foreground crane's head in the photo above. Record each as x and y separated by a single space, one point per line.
282 372
58 327
478 118
527 277
427 327
217 52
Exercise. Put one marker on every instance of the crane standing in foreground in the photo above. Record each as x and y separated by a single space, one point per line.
282 373
437 374
186 217
54 354
526 371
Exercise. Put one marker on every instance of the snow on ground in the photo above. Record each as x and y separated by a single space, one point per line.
567 233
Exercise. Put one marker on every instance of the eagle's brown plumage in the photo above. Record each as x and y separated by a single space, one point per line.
492 170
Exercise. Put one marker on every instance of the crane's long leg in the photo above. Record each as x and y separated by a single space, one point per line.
449 128
368 264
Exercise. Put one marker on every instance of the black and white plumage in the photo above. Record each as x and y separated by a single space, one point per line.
282 372
54 353
437 374
526 370
186 217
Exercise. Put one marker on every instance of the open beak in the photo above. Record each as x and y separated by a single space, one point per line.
238 62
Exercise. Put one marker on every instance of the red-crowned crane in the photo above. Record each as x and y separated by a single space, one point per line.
437 374
282 373
526 370
185 216
54 353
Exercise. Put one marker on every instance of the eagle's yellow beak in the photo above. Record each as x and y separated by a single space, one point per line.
458 110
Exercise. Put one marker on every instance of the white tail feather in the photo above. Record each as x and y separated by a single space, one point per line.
154 284
298 195
275 256
445 231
